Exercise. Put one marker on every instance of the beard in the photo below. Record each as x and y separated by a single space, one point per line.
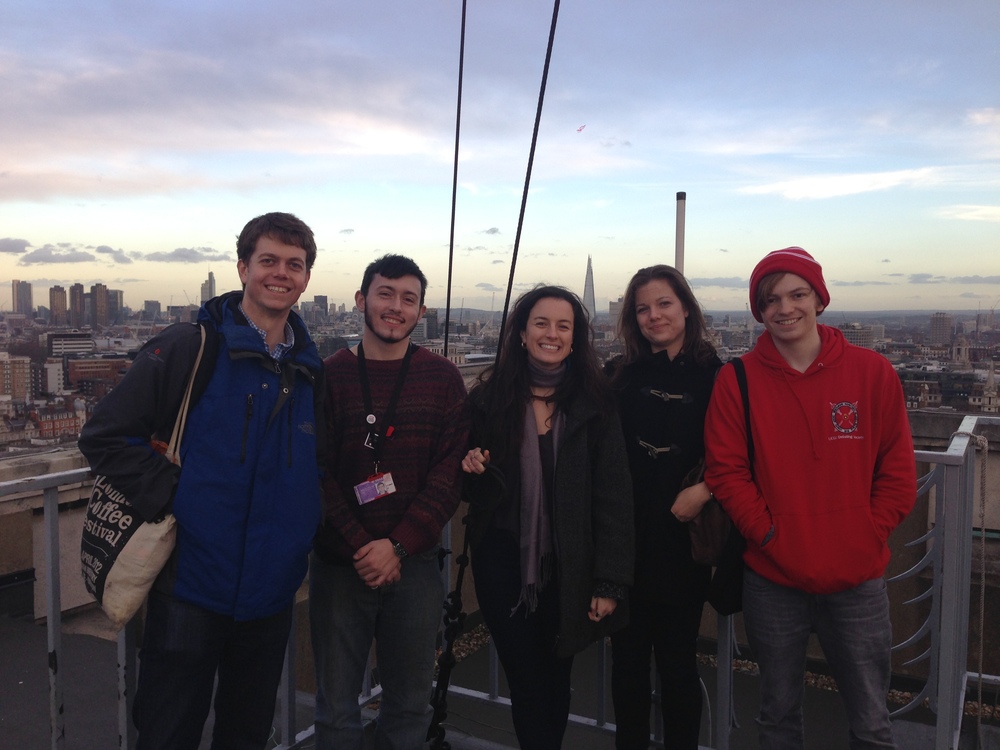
394 338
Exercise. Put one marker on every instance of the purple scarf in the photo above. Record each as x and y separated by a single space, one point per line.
536 527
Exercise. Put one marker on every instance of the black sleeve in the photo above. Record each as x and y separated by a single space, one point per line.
116 439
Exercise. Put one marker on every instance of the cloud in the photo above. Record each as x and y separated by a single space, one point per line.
11 245
188 255
56 254
927 278
858 283
975 280
346 231
119 255
730 282
491 230
816 187
489 287
971 213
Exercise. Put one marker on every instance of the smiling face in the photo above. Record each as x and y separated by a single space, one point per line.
790 310
661 316
392 308
273 279
548 336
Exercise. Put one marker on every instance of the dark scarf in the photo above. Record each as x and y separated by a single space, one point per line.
536 528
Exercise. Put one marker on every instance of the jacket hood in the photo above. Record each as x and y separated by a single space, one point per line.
832 346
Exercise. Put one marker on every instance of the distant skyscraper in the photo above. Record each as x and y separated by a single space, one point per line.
323 303
940 329
588 291
21 297
208 288
76 306
59 314
116 306
151 309
614 310
433 326
99 305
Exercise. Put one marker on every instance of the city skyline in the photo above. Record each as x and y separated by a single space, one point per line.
139 143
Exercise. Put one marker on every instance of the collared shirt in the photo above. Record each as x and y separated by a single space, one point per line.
281 348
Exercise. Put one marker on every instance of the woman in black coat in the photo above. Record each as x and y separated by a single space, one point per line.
550 507
662 383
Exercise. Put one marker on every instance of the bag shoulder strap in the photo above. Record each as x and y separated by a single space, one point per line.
741 379
173 447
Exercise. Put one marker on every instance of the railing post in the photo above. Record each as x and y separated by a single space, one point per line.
956 570
127 644
722 718
602 681
287 719
53 615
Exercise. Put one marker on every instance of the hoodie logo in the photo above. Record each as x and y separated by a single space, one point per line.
845 417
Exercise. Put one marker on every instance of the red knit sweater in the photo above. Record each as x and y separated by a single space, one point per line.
423 455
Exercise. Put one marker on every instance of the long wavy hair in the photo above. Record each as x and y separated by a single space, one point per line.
696 342
505 388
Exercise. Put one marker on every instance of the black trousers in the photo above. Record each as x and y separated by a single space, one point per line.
670 632
539 681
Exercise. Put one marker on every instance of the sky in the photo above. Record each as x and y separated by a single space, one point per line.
137 138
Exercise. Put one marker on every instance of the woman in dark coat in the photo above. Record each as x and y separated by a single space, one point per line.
662 384
550 507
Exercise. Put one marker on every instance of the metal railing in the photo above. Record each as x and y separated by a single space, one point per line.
948 559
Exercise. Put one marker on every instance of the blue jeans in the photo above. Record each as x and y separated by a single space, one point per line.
183 648
670 631
403 619
854 630
539 681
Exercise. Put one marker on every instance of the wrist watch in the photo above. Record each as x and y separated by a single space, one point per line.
398 548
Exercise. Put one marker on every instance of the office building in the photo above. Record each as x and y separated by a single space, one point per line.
59 313
77 307
21 298
208 288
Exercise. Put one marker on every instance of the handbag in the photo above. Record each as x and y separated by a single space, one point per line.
725 592
120 554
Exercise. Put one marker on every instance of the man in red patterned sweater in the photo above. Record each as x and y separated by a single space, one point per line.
396 437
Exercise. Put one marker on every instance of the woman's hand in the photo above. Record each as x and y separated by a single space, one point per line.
601 607
475 461
690 501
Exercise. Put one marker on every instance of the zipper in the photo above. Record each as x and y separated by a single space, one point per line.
246 427
291 409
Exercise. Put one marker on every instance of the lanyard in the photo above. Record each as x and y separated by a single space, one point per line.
374 439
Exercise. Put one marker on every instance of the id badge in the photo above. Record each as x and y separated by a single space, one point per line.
376 486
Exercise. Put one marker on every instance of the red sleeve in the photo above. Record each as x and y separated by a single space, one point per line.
894 484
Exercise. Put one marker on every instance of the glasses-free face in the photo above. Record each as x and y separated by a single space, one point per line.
790 309
661 316
273 279
548 337
392 307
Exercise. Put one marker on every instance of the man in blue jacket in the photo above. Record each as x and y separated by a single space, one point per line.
247 502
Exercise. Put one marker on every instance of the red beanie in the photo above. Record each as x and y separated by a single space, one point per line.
790 260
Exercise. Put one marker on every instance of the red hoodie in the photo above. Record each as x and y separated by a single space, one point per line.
834 471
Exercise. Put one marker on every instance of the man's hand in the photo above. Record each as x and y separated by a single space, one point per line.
377 564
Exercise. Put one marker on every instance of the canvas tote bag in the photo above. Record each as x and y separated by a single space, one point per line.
120 554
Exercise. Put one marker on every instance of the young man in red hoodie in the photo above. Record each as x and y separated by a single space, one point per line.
833 475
